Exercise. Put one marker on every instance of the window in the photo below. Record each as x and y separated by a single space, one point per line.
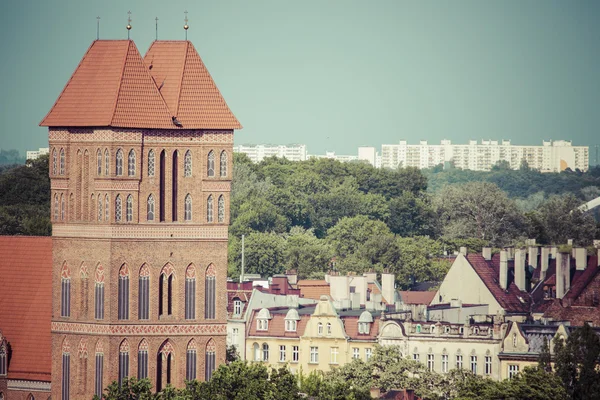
488 365
144 293
221 209
262 324
209 209
164 364
119 163
151 163
368 353
416 356
211 164
100 213
187 164
98 384
319 329
65 304
3 358
514 340
123 292
355 352
190 292
512 370
234 336
459 361
432 329
129 208
314 355
474 364
99 293
295 353
165 285
174 186
56 207
99 162
190 361
444 362
142 371
131 163
257 355
281 353
62 161
291 325
106 162
223 166
150 208
210 292
418 329
334 355
329 328
188 208
106 210
54 161
265 350
446 329
237 307
62 207
118 208
66 373
123 361
364 328
210 360
430 362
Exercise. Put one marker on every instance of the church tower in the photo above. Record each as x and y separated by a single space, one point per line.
140 167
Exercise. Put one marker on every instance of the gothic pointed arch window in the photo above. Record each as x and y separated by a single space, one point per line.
187 164
62 207
123 361
188 207
82 352
106 162
129 212
71 207
30 397
99 292
62 161
151 161
209 209
142 372
119 163
210 359
150 208
221 209
210 292
223 164
66 371
99 374
3 357
210 168
65 296
131 163
165 291
144 293
164 365
54 161
106 208
118 208
190 360
190 292
100 212
98 162
56 207
123 292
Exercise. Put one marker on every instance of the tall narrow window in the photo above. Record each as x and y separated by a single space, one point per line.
129 208
150 207
99 293
210 360
123 361
221 209
165 291
119 163
131 163
98 162
444 363
56 207
144 293
100 212
106 208
118 208
187 164
162 187
209 209
211 163
143 360
123 292
54 161
190 292
99 386
488 365
474 365
223 164
66 372
3 358
151 163
62 161
210 292
190 361
62 207
459 361
164 365
65 303
430 361
106 162
188 207
174 180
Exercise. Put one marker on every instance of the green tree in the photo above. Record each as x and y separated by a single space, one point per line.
263 254
561 220
129 389
411 215
305 253
347 235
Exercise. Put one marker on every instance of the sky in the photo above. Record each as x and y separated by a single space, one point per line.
334 74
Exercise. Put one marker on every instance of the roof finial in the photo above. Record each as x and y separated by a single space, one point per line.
156 19
186 26
128 23
97 28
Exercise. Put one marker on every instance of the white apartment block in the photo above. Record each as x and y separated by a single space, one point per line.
34 154
256 153
552 156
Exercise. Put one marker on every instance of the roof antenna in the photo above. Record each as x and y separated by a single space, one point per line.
186 26
156 19
128 23
98 28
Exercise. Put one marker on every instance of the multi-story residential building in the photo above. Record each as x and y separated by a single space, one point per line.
552 156
258 152
35 154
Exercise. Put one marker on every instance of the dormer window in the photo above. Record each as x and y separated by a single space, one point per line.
364 323
418 328
237 307
262 320
446 329
432 329
291 320
290 326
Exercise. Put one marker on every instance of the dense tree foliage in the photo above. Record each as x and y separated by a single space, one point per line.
10 158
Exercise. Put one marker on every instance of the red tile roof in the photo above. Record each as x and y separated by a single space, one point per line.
417 297
277 326
26 304
313 289
582 279
351 327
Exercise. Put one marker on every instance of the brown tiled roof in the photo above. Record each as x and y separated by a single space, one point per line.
313 289
187 87
417 297
351 327
582 279
26 304
576 315
277 326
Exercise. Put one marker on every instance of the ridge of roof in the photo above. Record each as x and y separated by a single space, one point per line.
125 55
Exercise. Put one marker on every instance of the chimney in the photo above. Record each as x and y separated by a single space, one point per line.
292 276
486 252
563 274
388 289
503 269
510 251
580 258
520 269
544 259
553 251
463 250
569 242
371 276
533 256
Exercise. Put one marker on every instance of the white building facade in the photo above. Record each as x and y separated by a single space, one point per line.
258 152
35 154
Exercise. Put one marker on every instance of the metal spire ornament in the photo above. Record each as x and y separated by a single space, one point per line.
128 23
186 26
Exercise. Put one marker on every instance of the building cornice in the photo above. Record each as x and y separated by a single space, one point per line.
139 329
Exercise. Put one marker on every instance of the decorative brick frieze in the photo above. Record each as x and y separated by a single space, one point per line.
137 231
59 184
28 386
139 330
216 186
136 135
117 185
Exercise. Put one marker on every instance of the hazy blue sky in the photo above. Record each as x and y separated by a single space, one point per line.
336 74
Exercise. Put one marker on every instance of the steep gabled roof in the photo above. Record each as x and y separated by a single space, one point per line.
110 87
187 87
